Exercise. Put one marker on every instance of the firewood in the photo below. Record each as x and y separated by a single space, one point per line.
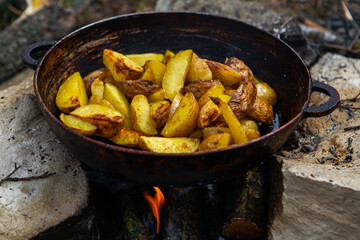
246 207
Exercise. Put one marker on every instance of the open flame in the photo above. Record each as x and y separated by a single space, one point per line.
156 202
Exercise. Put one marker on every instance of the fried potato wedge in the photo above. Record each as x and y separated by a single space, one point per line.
168 56
198 88
71 94
108 121
249 123
140 115
118 100
183 122
225 74
97 88
199 70
214 91
216 141
127 138
208 114
175 104
196 134
169 145
261 111
158 69
102 73
148 74
94 99
264 91
251 134
159 113
176 72
131 88
237 131
158 95
208 131
80 126
121 67
141 59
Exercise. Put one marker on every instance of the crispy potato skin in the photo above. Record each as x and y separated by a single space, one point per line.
199 88
126 137
224 73
101 73
199 70
265 92
216 141
208 115
244 97
131 88
169 145
159 113
261 111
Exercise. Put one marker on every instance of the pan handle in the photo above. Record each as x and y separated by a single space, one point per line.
326 107
32 54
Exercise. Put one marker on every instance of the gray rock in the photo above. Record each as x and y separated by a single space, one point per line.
317 193
42 207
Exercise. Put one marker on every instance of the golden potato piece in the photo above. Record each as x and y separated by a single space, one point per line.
78 125
148 74
94 99
206 132
158 69
131 88
199 70
101 73
168 56
199 88
235 126
264 91
184 120
175 74
71 94
196 134
108 121
97 88
216 141
175 104
141 59
214 91
251 134
249 123
261 111
208 114
159 113
121 67
126 137
169 145
140 115
158 95
118 100
225 74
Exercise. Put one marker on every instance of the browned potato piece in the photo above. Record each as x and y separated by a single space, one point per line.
168 56
126 137
175 104
131 88
208 114
199 88
249 123
225 74
78 125
169 145
71 94
158 69
176 72
140 115
214 91
94 99
108 121
101 73
141 59
199 70
206 132
261 111
265 92
159 113
148 74
97 88
158 95
252 134
118 100
216 141
121 67
184 120
235 126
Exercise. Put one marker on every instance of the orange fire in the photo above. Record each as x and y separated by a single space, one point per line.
156 202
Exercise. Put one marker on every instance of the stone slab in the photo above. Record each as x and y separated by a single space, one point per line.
28 208
320 186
